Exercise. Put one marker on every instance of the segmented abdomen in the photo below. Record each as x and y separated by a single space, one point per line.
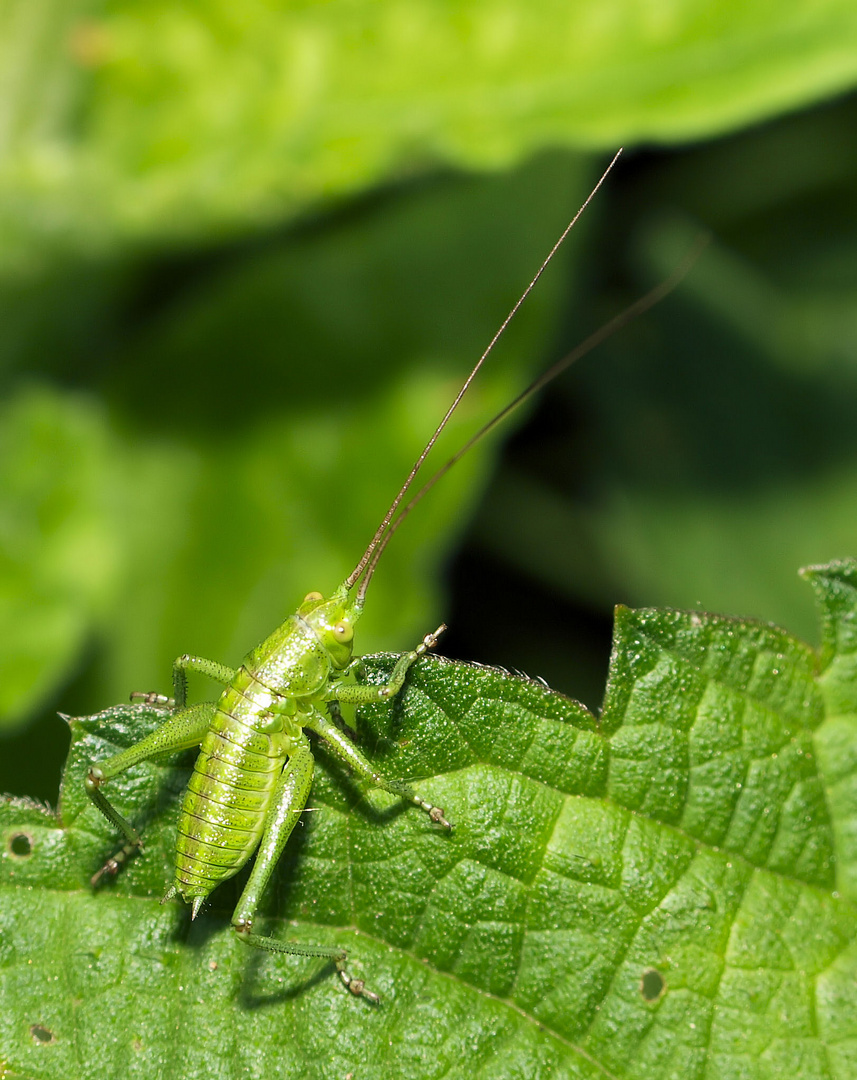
229 793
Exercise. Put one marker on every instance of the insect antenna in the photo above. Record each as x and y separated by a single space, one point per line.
369 559
613 326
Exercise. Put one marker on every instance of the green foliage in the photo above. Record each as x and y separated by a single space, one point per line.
144 119
668 890
205 409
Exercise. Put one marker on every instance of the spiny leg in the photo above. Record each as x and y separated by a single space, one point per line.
181 666
198 664
346 751
181 731
365 695
290 799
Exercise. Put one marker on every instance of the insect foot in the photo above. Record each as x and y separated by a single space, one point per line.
356 986
430 640
398 677
153 698
435 813
115 863
242 924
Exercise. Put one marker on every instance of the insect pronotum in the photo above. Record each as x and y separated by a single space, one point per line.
253 773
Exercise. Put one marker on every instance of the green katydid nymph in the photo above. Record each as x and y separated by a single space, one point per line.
253 773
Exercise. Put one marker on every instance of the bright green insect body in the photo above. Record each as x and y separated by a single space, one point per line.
239 783
253 774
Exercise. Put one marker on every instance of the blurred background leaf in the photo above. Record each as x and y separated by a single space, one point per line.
147 120
246 254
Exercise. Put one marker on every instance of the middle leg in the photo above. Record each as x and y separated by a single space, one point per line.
347 752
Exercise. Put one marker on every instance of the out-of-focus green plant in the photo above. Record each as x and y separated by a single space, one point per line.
150 121
236 290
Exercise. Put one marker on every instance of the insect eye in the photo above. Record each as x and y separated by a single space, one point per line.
311 597
343 630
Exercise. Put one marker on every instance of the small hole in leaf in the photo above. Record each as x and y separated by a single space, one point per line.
652 985
41 1034
21 844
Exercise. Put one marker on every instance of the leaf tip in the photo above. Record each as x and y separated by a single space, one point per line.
835 588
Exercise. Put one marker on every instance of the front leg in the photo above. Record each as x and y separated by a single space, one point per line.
366 695
342 746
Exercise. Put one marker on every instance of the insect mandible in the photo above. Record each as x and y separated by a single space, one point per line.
254 770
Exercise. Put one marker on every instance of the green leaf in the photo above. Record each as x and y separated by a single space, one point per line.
836 739
667 891
145 118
